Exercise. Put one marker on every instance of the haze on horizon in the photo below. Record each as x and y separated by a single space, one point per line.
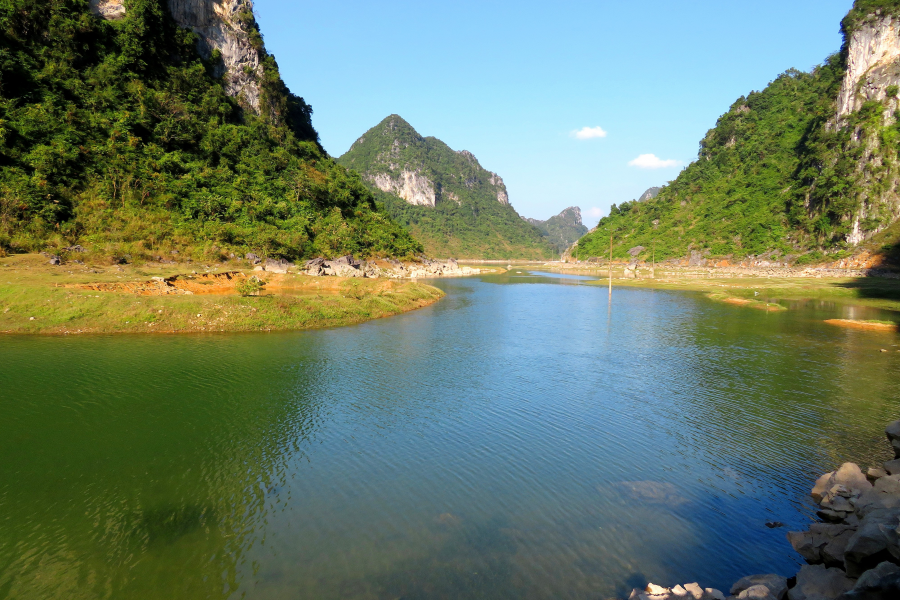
579 103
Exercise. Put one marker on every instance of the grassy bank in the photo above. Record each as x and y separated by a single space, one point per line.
865 291
36 298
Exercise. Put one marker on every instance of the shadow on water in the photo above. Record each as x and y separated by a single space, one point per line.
874 287
170 524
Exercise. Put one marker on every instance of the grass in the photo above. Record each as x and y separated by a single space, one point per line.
36 298
874 292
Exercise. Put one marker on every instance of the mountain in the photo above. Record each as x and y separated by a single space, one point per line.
563 230
807 167
443 197
650 194
145 127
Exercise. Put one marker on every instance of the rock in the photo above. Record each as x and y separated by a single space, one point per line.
816 582
713 594
833 552
656 590
851 477
774 524
76 248
823 484
810 544
892 467
757 592
278 266
694 590
253 258
893 435
876 540
880 583
875 473
885 494
55 260
775 584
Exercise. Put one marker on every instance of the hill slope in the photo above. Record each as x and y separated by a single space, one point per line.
808 166
149 126
445 198
562 230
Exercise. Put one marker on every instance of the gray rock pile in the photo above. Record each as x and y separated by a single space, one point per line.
348 266
853 554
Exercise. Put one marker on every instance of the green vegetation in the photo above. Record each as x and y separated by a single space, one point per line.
777 176
864 10
38 299
252 286
562 230
468 220
736 199
118 136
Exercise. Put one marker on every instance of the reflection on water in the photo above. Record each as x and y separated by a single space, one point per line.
523 438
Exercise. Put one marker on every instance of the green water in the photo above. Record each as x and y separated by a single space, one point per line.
523 438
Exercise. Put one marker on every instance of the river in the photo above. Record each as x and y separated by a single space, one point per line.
526 437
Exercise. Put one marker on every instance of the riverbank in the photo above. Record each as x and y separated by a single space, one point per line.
853 553
39 298
763 285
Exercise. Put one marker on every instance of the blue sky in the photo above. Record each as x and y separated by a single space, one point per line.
513 81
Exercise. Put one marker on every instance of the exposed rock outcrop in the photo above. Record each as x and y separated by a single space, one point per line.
112 10
412 186
873 64
226 26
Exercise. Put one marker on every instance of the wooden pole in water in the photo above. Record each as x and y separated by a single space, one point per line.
610 264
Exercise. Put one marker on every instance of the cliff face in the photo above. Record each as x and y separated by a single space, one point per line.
865 111
226 26
873 64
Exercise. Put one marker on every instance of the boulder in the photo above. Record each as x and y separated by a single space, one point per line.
885 494
756 592
817 582
875 473
876 541
893 435
55 260
254 259
278 266
775 584
833 552
880 583
892 467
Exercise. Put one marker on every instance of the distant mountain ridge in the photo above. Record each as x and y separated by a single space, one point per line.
564 229
445 198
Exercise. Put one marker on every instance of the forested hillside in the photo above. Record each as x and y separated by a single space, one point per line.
444 198
117 135
785 171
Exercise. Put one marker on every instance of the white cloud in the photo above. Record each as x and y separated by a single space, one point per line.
651 161
589 133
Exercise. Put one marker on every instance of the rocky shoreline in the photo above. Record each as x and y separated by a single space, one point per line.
348 266
853 553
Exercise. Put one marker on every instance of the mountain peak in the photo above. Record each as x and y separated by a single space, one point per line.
423 180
